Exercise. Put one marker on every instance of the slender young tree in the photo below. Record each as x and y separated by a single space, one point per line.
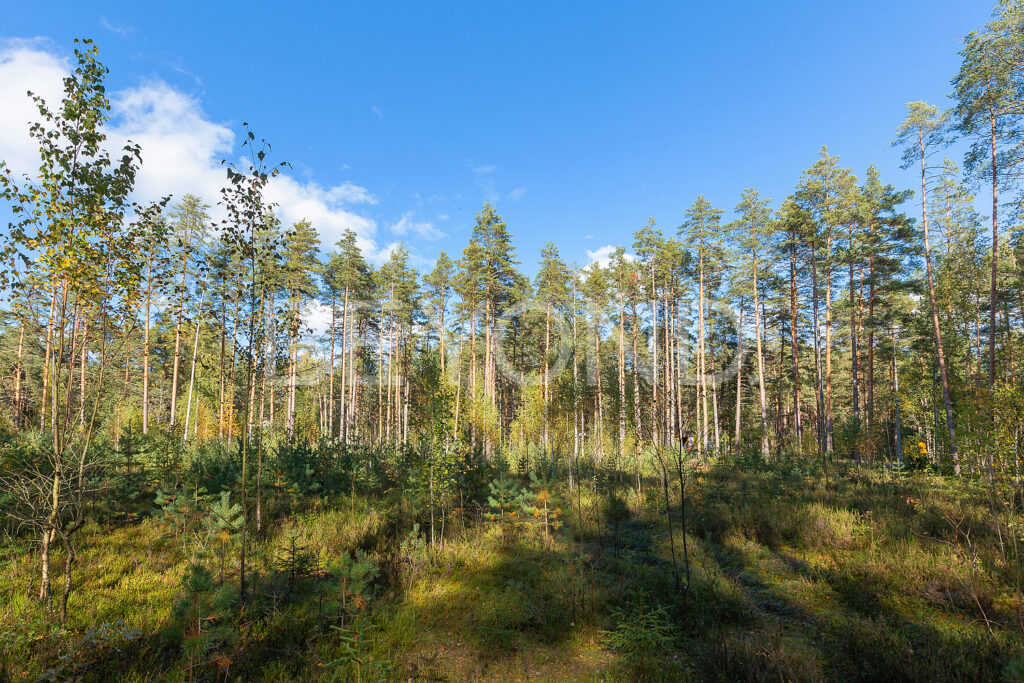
246 209
69 229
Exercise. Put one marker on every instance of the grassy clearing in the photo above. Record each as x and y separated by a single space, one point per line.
860 577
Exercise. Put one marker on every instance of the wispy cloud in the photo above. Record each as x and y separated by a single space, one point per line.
377 112
122 30
516 194
407 225
484 169
490 192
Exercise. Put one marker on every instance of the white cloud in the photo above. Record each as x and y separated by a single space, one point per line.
326 208
351 193
182 148
484 169
406 225
602 256
24 66
317 316
379 256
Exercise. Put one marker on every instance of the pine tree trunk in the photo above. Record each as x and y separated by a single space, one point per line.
222 373
192 379
351 421
380 379
940 354
18 407
293 369
994 292
458 383
636 382
896 391
828 347
871 350
855 379
654 336
575 378
739 378
329 423
819 383
668 370
440 336
797 432
599 424
46 360
761 394
231 374
622 376
346 367
545 386
81 380
177 339
714 405
702 363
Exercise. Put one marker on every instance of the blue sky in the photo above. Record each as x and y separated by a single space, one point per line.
579 120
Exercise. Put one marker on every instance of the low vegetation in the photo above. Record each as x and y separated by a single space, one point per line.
787 571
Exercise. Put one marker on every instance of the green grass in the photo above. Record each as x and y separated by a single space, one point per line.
860 577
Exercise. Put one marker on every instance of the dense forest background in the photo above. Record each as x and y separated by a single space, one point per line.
160 375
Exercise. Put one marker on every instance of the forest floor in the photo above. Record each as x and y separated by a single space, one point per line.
860 575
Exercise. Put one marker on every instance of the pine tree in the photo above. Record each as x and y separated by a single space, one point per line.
882 245
620 272
497 269
702 229
920 134
595 288
347 273
754 228
157 279
827 193
298 269
988 112
552 290
647 244
439 284
190 219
